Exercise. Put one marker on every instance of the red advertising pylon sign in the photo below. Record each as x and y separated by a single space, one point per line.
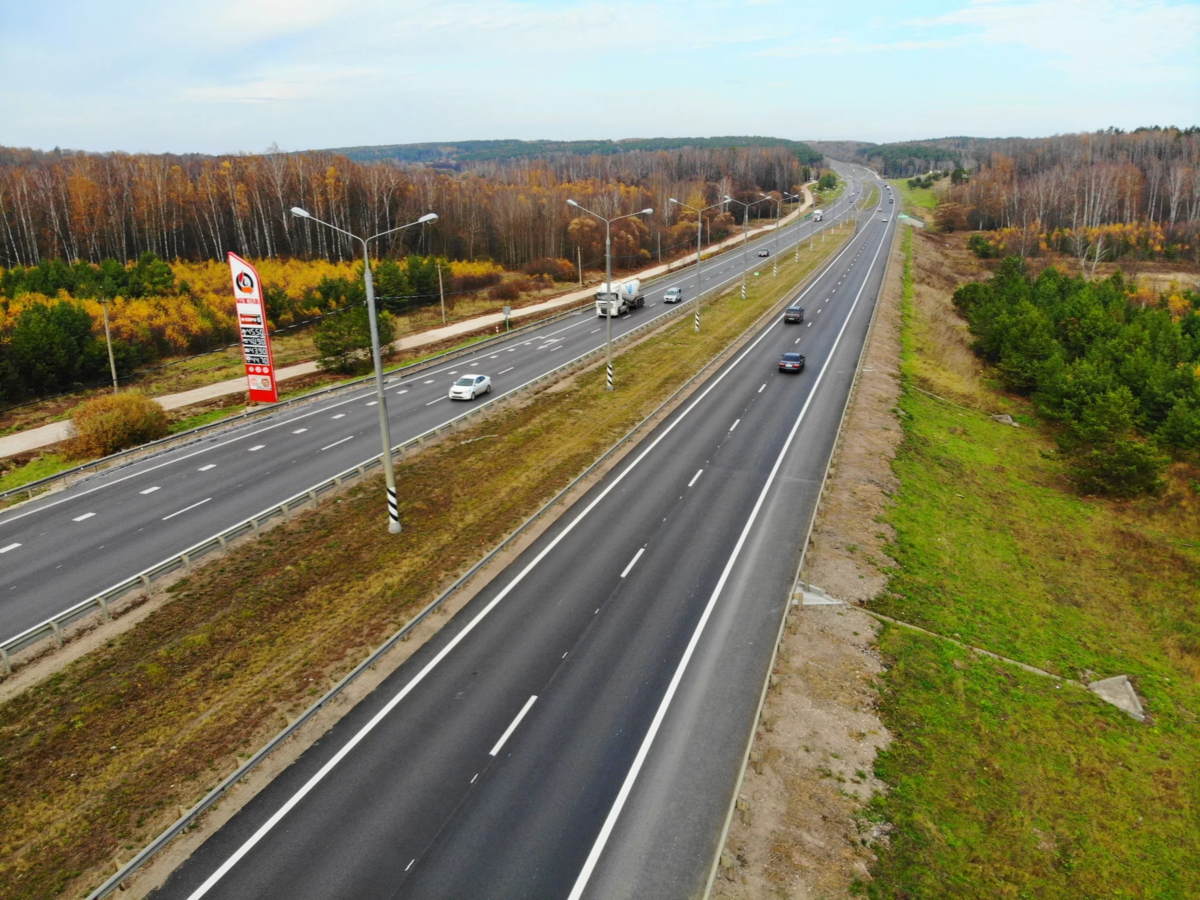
252 320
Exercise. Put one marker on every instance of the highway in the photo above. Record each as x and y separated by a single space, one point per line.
576 730
65 547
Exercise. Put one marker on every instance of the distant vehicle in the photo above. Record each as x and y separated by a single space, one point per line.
794 314
764 252
791 362
885 218
470 386
891 200
818 216
619 298
673 295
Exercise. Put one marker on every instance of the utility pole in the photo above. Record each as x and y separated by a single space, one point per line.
112 364
699 247
441 293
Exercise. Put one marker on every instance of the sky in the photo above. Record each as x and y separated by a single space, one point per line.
231 76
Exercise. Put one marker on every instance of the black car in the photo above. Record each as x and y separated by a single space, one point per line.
791 362
794 314
764 252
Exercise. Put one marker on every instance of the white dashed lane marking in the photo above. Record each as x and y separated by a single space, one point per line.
256 447
84 516
9 547
699 472
186 508
300 431
339 416
149 490
335 443
206 468
633 561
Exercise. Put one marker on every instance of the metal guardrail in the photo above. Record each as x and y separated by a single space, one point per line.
53 627
184 437
188 819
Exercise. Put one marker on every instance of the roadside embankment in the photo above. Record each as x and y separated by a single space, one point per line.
98 758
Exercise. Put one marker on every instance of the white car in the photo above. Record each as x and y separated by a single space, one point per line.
470 386
673 295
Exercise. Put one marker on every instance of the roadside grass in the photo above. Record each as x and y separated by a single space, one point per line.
95 760
39 467
1005 783
924 200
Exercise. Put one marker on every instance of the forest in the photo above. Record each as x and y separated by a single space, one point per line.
1121 376
91 207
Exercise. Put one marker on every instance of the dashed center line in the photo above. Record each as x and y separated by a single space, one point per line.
373 403
149 490
256 447
760 390
509 369
734 425
696 477
84 516
9 547
186 508
206 468
430 381
335 443
513 727
633 561
339 416
300 431
431 402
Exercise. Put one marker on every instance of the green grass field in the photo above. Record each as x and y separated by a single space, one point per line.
1005 783
919 201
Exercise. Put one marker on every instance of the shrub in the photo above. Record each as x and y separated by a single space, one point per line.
508 291
556 269
114 422
344 341
982 247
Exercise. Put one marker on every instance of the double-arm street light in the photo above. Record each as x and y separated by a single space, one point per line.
608 291
699 226
389 471
745 233
778 221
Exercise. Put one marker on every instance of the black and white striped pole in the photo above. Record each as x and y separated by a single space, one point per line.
389 469
745 234
699 247
610 299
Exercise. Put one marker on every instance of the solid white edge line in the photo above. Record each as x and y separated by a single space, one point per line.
633 562
186 508
335 443
512 726
644 750
370 726
696 477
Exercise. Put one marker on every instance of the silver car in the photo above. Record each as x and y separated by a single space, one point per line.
673 295
470 386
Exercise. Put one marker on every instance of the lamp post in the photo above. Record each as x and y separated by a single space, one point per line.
745 234
608 276
389 471
699 226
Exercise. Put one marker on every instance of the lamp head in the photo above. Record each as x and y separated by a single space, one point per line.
572 203
299 213
428 217
673 200
646 212
728 199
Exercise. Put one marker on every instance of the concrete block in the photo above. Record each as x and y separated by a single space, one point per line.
815 596
1120 693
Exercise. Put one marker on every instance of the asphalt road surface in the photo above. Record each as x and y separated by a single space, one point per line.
68 546
576 730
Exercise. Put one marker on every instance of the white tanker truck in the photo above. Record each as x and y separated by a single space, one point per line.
619 298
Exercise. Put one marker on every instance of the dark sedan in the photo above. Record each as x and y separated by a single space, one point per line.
791 362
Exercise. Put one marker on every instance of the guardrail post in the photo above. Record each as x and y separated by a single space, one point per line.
104 610
145 580
312 495
254 525
4 661
224 544
58 637
187 562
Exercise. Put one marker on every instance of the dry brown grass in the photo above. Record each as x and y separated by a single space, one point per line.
96 760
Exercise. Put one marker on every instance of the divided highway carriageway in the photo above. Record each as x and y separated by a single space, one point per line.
577 729
68 546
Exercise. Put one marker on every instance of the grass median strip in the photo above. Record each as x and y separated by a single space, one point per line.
95 760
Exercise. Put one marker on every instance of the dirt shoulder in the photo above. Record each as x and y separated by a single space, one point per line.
805 834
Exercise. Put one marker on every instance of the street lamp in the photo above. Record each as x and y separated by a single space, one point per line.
745 233
608 291
699 225
389 471
112 363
